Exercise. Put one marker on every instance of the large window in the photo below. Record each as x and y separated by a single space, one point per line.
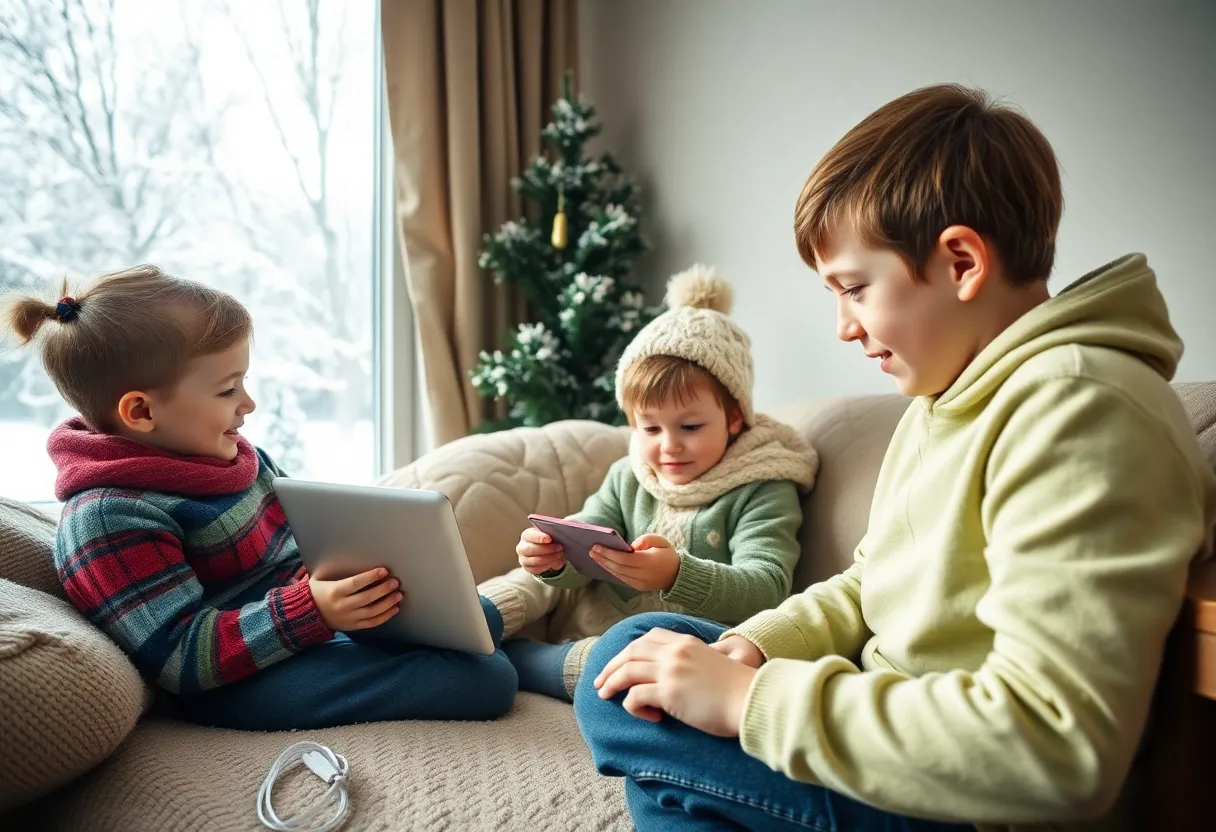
227 141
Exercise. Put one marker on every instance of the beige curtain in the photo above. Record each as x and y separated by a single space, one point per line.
469 88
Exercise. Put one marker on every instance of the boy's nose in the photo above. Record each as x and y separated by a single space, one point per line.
250 404
848 329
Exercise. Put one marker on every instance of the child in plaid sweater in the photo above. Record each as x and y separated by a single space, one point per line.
172 540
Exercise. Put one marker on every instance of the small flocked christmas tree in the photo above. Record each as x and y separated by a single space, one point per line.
573 264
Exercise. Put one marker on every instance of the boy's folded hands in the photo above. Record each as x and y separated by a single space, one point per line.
741 650
680 675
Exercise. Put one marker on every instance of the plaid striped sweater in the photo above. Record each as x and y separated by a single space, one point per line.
186 562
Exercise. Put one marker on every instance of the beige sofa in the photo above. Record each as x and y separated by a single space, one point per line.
81 753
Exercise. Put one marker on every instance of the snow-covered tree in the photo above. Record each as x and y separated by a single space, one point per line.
125 130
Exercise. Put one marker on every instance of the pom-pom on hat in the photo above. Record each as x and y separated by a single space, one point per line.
697 327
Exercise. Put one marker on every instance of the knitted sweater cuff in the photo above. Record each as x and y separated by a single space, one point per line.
777 636
693 584
509 602
565 578
305 625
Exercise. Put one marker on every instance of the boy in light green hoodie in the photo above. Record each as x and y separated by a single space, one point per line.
989 658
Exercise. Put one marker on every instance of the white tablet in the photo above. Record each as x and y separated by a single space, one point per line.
343 530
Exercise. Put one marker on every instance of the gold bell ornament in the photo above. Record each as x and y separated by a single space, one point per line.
558 238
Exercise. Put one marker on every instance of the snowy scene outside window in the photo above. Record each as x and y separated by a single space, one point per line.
228 142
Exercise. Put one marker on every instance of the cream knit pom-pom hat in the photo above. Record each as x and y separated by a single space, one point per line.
697 327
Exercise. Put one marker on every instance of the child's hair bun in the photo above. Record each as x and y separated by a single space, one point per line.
701 288
24 315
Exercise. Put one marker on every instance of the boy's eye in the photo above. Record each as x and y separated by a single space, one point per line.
691 428
651 429
229 393
854 291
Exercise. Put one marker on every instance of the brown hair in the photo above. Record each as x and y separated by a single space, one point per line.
655 380
136 329
939 156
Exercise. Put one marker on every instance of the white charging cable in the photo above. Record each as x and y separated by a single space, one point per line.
326 764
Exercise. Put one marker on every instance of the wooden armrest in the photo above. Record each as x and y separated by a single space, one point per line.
1177 790
1201 593
1201 612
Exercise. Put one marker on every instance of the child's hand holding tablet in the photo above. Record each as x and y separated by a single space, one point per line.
553 542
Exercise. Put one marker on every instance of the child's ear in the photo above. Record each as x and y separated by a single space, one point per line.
967 259
135 411
735 426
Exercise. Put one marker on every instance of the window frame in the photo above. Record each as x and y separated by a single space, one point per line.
395 370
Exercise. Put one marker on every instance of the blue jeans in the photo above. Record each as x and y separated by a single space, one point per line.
348 680
679 778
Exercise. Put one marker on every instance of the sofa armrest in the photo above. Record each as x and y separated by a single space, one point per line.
27 539
70 696
496 480
1201 616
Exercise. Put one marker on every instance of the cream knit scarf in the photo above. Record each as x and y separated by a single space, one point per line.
768 450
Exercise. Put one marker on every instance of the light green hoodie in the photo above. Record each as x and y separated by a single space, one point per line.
990 656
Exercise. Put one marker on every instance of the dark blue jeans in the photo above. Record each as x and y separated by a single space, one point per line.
678 778
346 680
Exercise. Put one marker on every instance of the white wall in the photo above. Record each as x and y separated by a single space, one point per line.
722 107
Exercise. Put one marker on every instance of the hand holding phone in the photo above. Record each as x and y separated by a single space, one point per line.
576 539
652 566
538 553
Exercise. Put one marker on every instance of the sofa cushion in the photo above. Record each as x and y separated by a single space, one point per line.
528 770
70 695
496 480
1199 399
851 436
27 538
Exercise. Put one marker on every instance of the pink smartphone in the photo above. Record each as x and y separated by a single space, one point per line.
577 539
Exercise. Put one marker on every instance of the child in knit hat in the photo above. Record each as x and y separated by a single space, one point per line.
708 496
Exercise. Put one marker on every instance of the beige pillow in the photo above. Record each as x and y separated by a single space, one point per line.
69 695
495 480
27 538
